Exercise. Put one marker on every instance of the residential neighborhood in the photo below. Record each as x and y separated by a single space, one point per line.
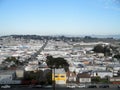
62 62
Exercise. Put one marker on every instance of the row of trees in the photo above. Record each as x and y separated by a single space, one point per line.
97 79
15 61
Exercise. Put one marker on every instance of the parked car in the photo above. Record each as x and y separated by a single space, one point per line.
35 86
118 86
71 86
81 86
6 86
47 86
92 86
104 86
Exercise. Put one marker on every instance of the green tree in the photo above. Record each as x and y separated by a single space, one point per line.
106 49
49 77
95 79
98 48
13 59
58 62
117 56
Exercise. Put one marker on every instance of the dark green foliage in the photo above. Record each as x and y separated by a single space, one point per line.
100 80
98 49
49 77
95 79
13 59
42 77
117 56
30 75
106 49
57 62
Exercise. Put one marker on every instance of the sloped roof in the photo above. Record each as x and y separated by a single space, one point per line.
83 75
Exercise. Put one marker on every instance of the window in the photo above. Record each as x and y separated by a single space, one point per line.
56 76
62 76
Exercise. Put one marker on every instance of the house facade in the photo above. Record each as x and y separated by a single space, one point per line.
83 78
71 76
7 77
59 77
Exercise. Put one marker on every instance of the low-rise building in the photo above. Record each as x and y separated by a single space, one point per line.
83 78
115 80
71 76
8 77
59 77
101 74
19 74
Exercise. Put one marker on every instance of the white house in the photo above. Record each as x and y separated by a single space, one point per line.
101 74
83 78
7 77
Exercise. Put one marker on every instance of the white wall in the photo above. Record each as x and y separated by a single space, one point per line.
85 80
103 74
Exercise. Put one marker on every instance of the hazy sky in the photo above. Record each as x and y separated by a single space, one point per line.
51 17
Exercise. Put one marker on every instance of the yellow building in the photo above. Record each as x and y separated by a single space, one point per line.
60 76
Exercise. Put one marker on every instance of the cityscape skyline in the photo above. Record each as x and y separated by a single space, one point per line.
61 17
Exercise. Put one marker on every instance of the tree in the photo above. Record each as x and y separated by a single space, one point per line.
117 56
106 49
49 77
98 48
58 62
13 59
95 79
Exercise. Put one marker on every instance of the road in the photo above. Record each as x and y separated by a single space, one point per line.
49 87
33 57
26 88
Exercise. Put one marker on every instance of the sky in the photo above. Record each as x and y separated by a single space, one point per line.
59 17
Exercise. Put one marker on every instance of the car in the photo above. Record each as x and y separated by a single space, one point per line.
71 86
6 86
35 86
118 86
92 86
81 86
104 86
48 86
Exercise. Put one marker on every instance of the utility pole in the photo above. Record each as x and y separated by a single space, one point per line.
54 79
53 69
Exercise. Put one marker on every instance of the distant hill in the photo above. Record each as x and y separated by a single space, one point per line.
94 36
107 36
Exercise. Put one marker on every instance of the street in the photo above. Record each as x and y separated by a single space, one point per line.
26 88
32 87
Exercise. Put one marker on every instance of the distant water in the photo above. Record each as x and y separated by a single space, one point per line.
107 36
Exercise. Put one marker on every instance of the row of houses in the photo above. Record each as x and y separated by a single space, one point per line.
58 75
